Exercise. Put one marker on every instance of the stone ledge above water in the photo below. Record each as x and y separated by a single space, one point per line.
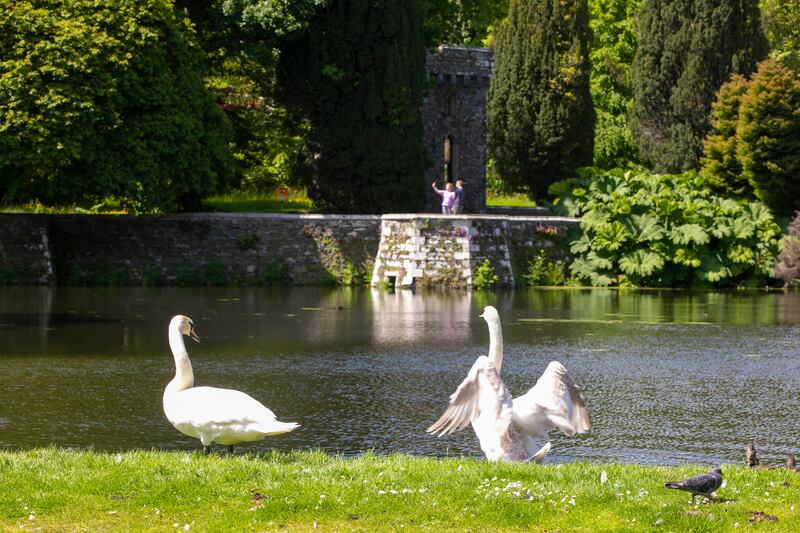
445 250
275 248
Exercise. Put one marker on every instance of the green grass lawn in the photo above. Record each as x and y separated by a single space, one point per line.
106 208
235 202
62 490
238 202
511 200
243 202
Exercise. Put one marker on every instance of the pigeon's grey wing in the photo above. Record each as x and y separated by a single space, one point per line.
554 402
703 484
481 389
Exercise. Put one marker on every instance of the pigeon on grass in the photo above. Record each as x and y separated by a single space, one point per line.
702 485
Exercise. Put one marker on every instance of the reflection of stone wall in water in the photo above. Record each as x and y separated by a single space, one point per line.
405 317
454 111
444 251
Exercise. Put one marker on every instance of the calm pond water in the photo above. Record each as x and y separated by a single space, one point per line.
668 377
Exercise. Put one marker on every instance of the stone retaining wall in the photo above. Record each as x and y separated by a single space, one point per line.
271 249
25 257
195 249
445 250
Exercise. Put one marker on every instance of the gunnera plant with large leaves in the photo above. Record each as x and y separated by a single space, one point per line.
664 230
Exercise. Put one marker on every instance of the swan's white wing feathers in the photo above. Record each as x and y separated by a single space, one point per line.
554 402
481 390
229 415
223 405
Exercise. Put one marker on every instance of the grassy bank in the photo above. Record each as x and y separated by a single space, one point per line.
56 489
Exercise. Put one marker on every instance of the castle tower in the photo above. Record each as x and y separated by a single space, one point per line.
454 112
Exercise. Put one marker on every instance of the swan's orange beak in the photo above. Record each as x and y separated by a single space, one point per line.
193 335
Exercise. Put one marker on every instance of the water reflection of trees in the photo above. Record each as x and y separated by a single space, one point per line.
744 307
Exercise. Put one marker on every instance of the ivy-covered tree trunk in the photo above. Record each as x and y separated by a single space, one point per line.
357 76
539 111
687 50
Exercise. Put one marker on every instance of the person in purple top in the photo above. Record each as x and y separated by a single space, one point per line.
448 197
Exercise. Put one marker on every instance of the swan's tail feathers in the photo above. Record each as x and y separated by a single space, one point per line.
538 457
277 428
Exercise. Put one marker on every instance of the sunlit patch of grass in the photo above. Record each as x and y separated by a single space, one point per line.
65 490
509 200
109 206
252 202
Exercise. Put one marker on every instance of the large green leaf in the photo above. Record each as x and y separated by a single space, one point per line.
598 262
645 228
743 228
714 270
583 244
741 254
641 263
611 236
595 218
689 233
687 257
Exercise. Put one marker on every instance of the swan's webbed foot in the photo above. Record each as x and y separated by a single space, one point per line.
206 450
230 449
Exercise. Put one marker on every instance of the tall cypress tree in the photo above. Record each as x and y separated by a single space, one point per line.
357 75
539 111
687 50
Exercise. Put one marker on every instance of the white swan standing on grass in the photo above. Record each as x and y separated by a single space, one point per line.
210 414
508 429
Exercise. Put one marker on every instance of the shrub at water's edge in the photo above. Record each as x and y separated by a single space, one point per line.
651 230
788 267
65 490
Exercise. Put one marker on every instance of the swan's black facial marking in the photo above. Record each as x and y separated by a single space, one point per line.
192 332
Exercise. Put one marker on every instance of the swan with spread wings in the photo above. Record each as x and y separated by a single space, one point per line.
508 429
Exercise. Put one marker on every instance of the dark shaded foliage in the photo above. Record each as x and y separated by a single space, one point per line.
539 110
460 23
357 75
687 50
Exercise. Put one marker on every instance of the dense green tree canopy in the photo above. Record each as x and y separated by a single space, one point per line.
539 110
242 40
687 50
106 99
357 75
768 136
612 49
461 22
721 165
782 25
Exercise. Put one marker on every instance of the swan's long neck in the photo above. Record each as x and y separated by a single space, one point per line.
184 377
495 342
